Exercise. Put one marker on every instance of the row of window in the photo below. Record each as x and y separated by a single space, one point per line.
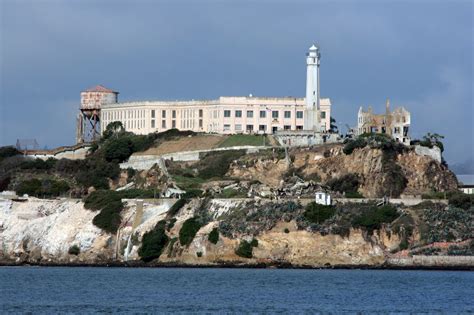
173 124
250 128
263 114
173 113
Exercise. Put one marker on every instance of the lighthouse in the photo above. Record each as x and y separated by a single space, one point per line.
311 117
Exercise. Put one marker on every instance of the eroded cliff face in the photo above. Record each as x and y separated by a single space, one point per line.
42 232
379 173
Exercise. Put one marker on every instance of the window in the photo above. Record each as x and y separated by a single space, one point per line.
200 113
226 127
323 115
299 127
262 127
250 114
227 113
173 114
173 124
287 114
238 127
238 113
275 114
299 114
163 114
200 123
152 123
263 114
249 128
287 127
152 113
163 124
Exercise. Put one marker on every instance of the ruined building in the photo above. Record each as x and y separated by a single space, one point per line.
395 124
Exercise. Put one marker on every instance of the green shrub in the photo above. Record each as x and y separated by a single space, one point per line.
353 144
199 254
45 188
74 250
171 224
354 194
348 183
403 244
286 230
316 213
137 193
8 151
373 218
38 164
461 200
254 242
245 248
214 236
176 207
109 218
153 243
110 205
188 231
97 200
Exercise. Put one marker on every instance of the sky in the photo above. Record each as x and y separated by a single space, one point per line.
419 54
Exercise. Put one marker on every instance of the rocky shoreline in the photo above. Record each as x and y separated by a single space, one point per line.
139 264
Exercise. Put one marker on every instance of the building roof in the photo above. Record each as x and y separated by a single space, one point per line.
313 47
100 88
465 179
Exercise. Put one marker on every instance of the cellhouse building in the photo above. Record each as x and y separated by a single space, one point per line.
288 116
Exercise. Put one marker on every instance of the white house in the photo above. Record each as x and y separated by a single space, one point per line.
323 198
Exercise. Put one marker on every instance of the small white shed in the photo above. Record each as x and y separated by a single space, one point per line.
323 198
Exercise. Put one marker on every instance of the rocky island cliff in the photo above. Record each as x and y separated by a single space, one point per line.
238 208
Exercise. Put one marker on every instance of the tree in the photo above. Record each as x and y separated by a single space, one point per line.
333 128
433 139
113 128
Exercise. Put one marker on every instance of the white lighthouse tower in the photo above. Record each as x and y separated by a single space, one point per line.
311 116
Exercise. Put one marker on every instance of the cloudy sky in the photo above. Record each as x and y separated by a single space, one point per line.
417 53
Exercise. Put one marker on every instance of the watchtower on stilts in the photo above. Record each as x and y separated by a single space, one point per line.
88 119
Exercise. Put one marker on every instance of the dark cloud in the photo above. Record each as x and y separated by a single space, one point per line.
419 54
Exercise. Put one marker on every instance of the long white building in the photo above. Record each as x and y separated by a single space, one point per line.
226 115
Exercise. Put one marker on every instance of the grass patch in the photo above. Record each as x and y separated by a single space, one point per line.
231 193
216 164
241 140
187 183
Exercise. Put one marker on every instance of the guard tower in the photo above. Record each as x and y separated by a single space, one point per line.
88 119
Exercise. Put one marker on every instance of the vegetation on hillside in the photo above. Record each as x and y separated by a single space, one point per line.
245 248
242 140
188 231
153 242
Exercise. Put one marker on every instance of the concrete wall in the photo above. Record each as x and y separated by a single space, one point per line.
432 261
70 153
305 138
145 162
